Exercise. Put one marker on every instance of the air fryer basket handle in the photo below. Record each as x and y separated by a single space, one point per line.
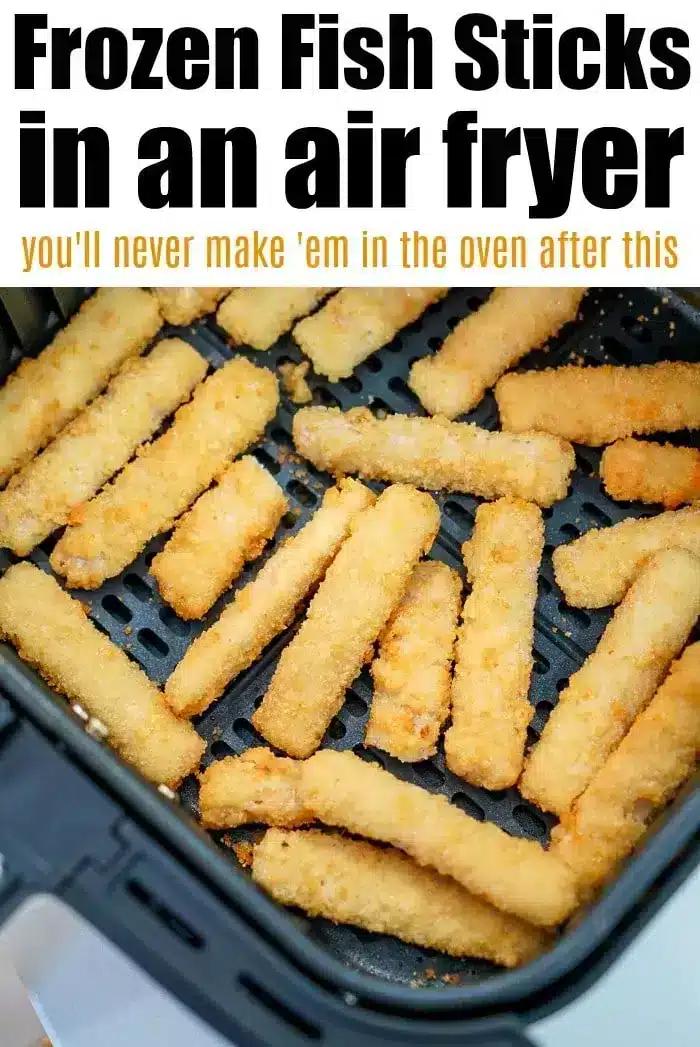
63 834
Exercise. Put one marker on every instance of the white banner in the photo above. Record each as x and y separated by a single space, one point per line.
290 144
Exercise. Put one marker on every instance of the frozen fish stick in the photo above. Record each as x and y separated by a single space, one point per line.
488 343
52 632
516 875
435 454
227 413
411 674
636 470
598 405
45 394
257 787
362 587
258 316
490 707
616 682
598 568
351 881
96 444
641 776
184 305
267 605
225 528
356 322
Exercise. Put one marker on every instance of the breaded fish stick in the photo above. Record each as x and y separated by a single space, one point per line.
616 682
642 775
258 316
350 881
356 322
411 674
435 454
45 394
490 707
225 528
267 605
52 632
515 875
598 568
96 444
598 405
228 412
488 343
184 305
362 587
636 470
257 787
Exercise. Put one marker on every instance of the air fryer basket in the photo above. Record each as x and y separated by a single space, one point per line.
630 326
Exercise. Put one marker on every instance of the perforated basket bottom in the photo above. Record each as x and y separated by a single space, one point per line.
633 326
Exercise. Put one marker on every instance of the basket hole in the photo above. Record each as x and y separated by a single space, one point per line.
289 521
153 643
541 666
373 364
453 321
337 729
545 586
637 329
562 685
434 343
327 398
469 806
395 346
474 303
281 438
430 776
569 531
266 460
355 705
284 1013
367 755
137 587
352 384
171 621
49 544
579 616
619 352
116 609
220 749
175 924
301 493
596 514
398 386
458 514
530 822
379 408
247 733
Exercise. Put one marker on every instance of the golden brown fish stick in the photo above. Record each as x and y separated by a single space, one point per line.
257 787
52 632
225 528
356 322
411 673
598 568
267 605
488 343
636 470
45 394
184 305
351 881
435 454
616 682
513 874
490 707
362 587
228 412
598 405
258 316
96 444
640 777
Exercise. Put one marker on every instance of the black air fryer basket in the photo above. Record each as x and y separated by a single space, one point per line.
77 822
